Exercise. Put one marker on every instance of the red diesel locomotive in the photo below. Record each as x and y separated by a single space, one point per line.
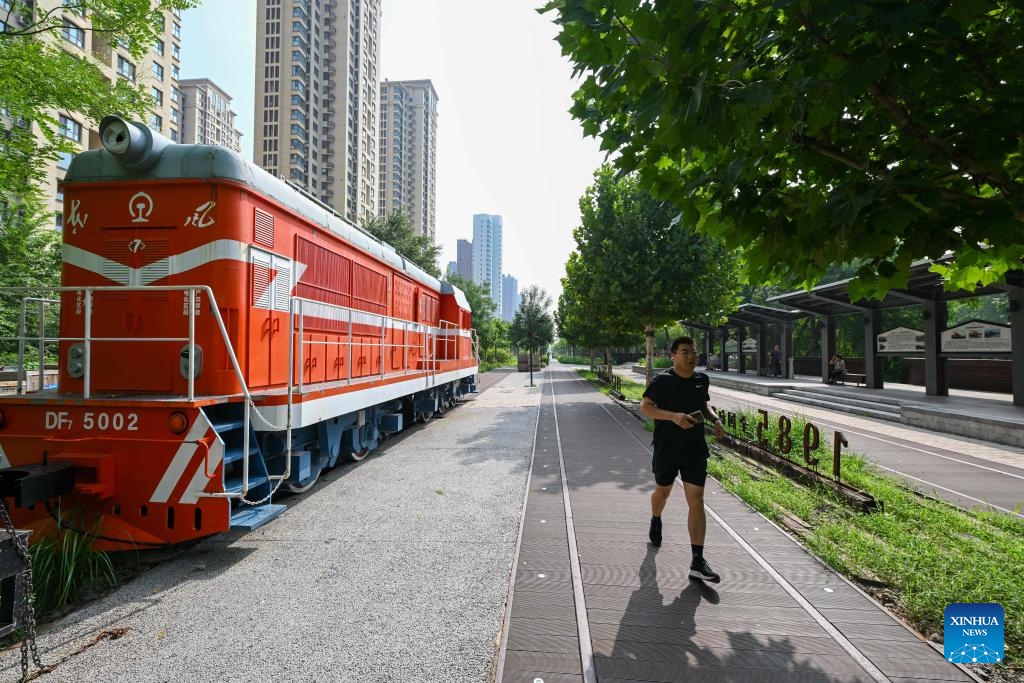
221 335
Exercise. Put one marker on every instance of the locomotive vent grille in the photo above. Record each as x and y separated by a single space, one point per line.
113 268
121 256
264 228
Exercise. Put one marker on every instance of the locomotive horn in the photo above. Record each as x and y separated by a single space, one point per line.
134 144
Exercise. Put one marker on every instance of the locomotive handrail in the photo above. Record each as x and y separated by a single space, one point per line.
302 308
87 339
22 337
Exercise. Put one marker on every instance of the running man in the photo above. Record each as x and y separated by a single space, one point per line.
677 401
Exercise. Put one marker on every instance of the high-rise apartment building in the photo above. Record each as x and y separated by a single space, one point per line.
408 152
464 258
157 71
206 117
509 297
487 256
317 99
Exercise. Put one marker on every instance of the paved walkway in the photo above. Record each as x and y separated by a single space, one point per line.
593 601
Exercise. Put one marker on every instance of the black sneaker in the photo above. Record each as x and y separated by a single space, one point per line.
655 533
700 569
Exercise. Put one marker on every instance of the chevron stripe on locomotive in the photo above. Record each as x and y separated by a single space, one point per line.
221 335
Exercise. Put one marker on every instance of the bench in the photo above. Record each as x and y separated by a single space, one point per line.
853 377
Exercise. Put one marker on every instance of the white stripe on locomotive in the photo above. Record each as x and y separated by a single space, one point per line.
180 461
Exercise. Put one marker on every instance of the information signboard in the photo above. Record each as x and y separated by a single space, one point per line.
977 336
900 340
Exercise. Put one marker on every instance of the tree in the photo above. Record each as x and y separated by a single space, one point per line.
637 266
39 79
811 132
582 318
396 230
29 257
532 326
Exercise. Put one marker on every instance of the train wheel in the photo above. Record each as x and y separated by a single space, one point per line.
302 487
356 456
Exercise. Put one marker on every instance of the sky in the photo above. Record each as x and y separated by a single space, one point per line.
506 143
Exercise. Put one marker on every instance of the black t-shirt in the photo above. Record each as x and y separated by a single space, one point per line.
678 394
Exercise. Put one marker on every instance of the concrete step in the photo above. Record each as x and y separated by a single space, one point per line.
862 403
850 393
841 407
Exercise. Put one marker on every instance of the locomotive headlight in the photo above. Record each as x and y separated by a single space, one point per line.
197 362
76 360
116 135
177 422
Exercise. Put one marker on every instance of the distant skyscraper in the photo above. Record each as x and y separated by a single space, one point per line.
509 297
464 254
207 118
487 256
453 268
317 99
408 152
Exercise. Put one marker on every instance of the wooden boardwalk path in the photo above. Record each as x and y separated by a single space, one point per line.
592 600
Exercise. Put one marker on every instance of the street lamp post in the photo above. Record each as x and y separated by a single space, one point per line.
529 342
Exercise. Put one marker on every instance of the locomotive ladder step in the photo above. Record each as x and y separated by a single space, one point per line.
234 484
234 453
248 517
228 425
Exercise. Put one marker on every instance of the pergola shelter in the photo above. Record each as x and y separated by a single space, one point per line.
754 317
925 289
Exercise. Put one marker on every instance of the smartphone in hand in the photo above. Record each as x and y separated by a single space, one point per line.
697 416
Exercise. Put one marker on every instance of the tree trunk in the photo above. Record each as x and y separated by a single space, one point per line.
649 334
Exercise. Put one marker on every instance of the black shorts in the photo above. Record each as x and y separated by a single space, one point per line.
691 467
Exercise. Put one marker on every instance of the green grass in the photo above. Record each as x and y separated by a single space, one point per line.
574 360
659 363
630 389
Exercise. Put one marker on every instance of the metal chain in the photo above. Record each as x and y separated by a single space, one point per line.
263 500
274 427
28 610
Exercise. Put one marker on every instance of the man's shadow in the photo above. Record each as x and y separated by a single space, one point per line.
653 633
658 639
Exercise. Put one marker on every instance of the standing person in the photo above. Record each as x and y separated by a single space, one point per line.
776 361
679 445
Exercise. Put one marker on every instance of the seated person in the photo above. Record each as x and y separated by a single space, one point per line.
836 369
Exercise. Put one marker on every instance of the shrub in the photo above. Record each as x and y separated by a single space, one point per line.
65 568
